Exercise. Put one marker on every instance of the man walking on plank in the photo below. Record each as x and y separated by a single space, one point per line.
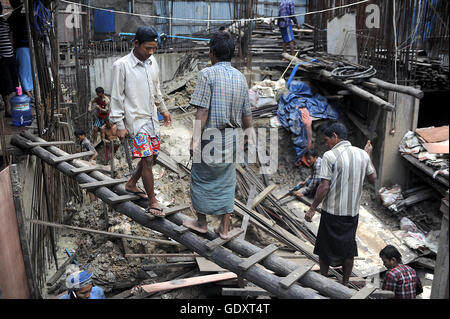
222 102
343 171
135 99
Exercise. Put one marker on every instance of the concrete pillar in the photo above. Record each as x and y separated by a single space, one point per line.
391 169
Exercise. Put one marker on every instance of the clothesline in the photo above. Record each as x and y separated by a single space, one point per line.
217 20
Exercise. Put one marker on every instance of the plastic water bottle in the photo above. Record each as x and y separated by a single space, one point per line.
21 109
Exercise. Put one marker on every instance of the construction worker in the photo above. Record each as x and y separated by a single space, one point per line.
286 12
312 182
342 175
222 102
400 278
136 99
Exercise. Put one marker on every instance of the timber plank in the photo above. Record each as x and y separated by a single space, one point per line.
296 274
71 157
206 265
219 241
176 209
123 198
89 169
169 285
103 183
266 192
263 253
246 292
364 293
181 229
53 143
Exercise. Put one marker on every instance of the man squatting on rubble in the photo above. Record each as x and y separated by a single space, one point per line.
400 278
135 99
312 182
343 171
222 102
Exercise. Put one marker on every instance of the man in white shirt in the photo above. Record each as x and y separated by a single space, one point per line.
136 99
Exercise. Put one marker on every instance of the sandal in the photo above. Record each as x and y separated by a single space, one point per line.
160 210
140 193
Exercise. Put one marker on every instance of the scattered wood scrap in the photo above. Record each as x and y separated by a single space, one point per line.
175 284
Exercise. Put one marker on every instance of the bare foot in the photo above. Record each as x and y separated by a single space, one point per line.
223 234
195 225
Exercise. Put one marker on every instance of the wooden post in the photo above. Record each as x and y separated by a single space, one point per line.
20 213
113 174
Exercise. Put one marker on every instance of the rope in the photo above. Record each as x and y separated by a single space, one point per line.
217 20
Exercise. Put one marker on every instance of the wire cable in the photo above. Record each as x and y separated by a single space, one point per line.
216 20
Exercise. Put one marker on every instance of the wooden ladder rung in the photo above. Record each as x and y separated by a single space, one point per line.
89 169
219 241
53 143
123 198
256 258
174 210
364 293
71 157
103 183
297 274
181 229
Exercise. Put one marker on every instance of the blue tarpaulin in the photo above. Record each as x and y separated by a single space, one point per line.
104 21
290 113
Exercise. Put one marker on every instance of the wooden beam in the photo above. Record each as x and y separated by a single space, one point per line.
188 282
246 292
398 88
121 199
256 258
327 76
89 169
71 157
103 183
364 293
93 231
297 274
219 241
266 192
169 265
43 144
61 270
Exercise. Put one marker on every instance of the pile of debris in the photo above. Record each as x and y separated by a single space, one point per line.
429 146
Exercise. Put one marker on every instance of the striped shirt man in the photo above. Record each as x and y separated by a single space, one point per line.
222 90
6 48
346 167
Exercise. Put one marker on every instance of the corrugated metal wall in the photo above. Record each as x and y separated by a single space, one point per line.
212 10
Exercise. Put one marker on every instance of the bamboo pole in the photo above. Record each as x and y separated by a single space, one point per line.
100 232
